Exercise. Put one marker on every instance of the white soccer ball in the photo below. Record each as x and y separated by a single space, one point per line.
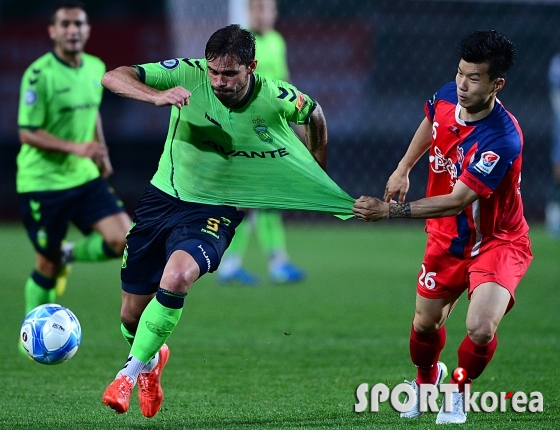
51 334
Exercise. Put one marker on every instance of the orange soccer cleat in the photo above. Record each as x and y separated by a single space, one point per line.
150 393
117 394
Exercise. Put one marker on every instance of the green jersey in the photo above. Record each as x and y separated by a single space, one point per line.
64 101
247 156
271 55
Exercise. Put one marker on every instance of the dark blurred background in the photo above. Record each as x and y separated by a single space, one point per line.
370 64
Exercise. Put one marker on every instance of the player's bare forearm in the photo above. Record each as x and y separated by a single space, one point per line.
105 166
124 81
419 144
373 209
398 183
316 137
42 139
102 160
99 134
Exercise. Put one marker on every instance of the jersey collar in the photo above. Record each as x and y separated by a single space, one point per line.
463 122
65 63
245 100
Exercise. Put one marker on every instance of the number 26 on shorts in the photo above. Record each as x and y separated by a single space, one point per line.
426 279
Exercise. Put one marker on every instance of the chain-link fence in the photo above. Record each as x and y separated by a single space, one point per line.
370 64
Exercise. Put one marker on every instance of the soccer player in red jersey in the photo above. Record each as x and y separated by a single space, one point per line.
477 235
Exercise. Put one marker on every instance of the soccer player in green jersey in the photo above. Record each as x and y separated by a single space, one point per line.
229 145
63 156
272 62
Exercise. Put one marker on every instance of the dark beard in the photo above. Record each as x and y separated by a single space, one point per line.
230 99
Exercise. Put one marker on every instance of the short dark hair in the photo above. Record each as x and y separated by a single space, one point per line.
68 4
233 41
489 46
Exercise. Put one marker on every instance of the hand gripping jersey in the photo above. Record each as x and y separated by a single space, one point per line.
63 101
247 156
486 156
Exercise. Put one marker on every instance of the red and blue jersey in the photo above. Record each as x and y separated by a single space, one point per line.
486 156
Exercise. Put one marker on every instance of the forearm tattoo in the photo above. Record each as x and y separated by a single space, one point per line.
399 210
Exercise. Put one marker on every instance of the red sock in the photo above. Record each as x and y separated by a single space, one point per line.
474 357
424 351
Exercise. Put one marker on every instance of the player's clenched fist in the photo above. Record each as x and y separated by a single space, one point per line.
176 96
93 150
370 209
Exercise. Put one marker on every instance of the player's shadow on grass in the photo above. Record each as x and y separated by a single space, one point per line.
319 420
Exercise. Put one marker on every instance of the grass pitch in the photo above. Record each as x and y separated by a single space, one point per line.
278 356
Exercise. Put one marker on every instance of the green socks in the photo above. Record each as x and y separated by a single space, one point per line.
270 231
39 290
241 238
156 324
128 336
93 248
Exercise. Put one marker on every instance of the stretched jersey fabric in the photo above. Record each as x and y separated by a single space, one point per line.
63 101
486 156
271 55
246 156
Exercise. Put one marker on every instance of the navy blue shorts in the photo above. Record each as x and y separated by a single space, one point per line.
47 214
163 224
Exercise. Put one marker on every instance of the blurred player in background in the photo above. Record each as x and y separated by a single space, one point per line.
229 145
477 235
63 158
553 205
272 63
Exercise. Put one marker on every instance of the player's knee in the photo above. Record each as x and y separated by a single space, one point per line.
481 332
117 244
179 279
129 319
426 323
428 327
49 267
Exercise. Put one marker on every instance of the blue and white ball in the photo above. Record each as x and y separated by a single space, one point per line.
51 334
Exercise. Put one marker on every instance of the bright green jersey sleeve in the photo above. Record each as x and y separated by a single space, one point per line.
271 56
247 156
64 101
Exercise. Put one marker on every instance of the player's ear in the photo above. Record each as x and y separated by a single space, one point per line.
499 84
50 29
252 66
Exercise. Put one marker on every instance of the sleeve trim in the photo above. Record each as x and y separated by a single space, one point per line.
311 110
475 184
141 73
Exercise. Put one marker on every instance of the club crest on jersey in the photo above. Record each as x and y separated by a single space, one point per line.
455 130
487 162
301 101
169 64
263 133
30 97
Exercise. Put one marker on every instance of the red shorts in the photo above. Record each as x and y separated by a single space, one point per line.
443 274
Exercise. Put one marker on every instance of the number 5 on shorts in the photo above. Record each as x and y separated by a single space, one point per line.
213 224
